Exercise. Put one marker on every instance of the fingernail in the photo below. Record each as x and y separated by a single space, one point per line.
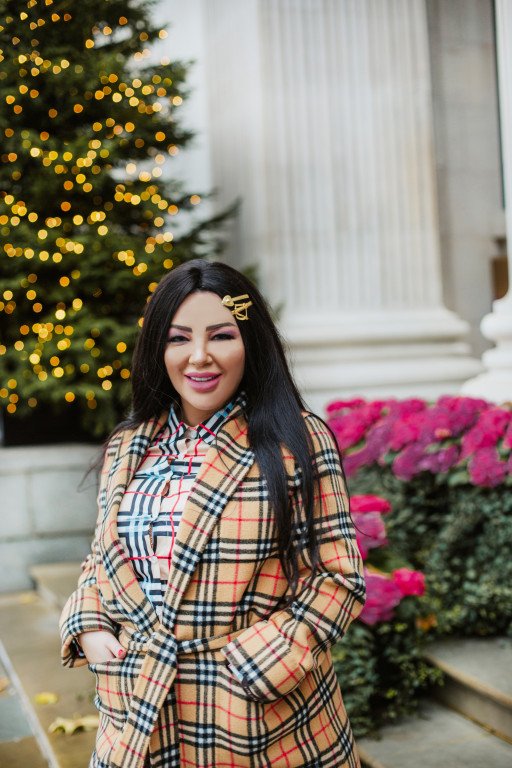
120 654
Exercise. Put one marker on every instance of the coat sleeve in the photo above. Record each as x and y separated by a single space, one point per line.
272 656
83 611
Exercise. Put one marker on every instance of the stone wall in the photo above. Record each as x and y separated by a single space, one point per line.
48 508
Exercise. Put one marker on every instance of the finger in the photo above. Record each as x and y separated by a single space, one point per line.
117 649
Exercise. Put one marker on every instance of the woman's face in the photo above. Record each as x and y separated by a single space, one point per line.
204 342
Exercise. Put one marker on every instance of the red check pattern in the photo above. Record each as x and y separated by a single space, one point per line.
172 701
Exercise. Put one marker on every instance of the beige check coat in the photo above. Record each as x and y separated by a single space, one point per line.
172 701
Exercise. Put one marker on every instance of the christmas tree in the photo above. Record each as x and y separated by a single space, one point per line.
89 219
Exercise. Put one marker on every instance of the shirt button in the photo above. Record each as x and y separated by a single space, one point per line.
154 559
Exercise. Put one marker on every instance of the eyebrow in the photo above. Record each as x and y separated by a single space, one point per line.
208 327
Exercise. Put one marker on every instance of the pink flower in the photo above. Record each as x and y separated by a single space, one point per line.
411 405
351 427
409 582
458 404
357 459
369 503
507 438
491 425
441 460
383 596
348 430
485 468
339 405
405 431
370 531
407 463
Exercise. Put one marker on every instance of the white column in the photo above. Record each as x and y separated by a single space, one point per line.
321 121
496 382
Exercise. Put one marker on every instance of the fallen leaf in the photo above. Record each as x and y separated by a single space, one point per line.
46 697
4 683
27 597
71 725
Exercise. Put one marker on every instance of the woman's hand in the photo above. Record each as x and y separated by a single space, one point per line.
100 645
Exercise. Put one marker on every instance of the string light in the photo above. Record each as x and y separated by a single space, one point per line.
57 234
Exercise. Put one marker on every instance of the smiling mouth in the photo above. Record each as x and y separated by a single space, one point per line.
211 377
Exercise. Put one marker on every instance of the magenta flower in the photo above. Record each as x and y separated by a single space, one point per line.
413 436
350 428
357 459
409 582
370 531
485 468
383 595
405 431
441 460
507 437
369 503
339 405
491 425
407 463
411 405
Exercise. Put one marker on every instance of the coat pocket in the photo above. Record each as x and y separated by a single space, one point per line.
215 712
115 680
268 665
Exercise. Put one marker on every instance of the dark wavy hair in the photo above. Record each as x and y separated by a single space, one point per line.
274 404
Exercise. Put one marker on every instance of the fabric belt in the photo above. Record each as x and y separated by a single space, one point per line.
152 685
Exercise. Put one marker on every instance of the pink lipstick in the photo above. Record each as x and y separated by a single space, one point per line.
203 382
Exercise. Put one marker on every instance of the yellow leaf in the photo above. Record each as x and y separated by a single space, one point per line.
71 725
46 697
4 683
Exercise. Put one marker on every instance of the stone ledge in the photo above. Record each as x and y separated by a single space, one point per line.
37 458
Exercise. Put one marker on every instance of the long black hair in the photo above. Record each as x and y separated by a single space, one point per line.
274 403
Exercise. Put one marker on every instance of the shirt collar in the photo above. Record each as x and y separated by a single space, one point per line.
208 429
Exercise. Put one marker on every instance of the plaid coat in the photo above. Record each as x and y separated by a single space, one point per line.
172 701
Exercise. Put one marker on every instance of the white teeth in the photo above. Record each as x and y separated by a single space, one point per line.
202 378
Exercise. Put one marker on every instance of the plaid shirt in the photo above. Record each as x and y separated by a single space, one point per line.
152 504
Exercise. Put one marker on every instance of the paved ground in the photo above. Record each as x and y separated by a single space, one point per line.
18 747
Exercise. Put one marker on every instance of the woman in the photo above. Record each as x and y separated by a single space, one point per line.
224 562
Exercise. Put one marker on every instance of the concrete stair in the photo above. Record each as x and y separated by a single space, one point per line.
438 738
469 725
55 582
29 652
478 680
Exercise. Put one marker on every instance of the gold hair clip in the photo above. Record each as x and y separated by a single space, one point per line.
239 310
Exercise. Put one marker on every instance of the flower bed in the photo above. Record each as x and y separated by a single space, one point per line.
380 662
444 469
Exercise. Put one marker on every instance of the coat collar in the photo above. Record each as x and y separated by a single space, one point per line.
205 430
223 468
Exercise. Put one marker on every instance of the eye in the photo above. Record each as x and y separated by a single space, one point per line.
173 339
223 336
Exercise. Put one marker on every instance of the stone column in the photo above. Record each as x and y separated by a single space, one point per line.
496 382
321 122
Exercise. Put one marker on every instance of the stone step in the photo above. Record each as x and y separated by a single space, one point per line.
438 738
18 745
55 582
30 654
478 680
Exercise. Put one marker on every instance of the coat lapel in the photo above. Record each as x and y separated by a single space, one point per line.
224 466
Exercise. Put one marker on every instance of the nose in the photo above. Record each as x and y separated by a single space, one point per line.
199 354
